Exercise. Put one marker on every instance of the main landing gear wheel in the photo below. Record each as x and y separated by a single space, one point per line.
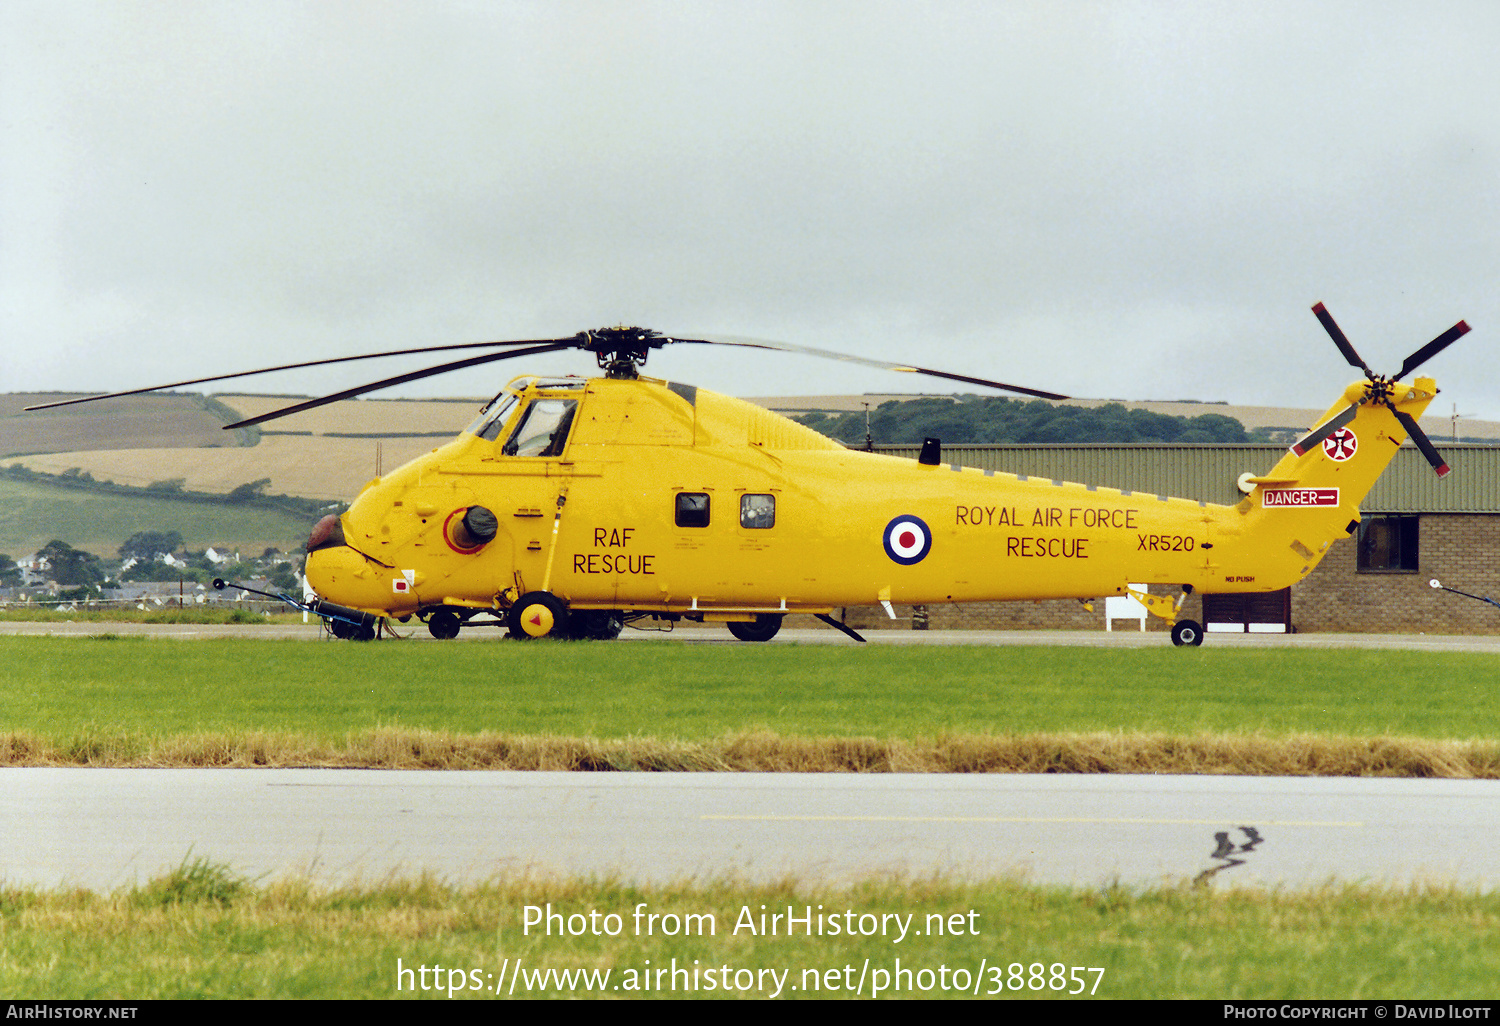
763 629
539 614
443 624
1187 632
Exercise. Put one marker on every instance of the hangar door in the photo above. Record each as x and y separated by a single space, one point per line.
1263 613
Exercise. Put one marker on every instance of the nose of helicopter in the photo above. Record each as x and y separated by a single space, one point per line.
342 575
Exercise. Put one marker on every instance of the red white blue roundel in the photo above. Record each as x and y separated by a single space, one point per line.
1340 445
907 539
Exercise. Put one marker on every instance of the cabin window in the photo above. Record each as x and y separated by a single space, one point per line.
542 429
757 511
1388 544
692 509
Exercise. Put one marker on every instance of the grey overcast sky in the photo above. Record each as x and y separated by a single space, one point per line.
1131 200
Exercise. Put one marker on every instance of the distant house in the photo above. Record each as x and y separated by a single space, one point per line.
35 570
158 592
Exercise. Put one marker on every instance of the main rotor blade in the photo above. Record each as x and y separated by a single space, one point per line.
1420 437
1326 319
1317 435
755 343
288 366
1432 348
350 393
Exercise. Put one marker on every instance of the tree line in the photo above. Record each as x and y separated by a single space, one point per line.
995 420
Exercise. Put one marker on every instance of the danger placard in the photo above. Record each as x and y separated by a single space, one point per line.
1298 497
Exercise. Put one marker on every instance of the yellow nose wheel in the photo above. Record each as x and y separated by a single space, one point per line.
538 614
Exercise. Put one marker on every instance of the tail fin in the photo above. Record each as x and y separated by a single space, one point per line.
1311 498
1352 457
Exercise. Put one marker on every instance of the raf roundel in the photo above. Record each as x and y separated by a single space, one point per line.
908 539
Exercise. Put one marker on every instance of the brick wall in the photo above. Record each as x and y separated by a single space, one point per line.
1461 550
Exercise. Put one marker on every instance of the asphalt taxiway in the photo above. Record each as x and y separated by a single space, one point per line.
104 828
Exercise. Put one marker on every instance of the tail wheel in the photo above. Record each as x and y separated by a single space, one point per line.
763 629
1187 632
538 614
595 624
444 624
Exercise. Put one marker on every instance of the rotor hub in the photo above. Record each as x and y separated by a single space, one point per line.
621 351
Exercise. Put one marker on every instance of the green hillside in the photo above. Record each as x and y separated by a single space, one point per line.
32 513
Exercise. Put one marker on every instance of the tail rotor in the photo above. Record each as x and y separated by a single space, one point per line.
1379 389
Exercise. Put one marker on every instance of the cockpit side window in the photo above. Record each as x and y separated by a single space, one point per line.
543 428
492 421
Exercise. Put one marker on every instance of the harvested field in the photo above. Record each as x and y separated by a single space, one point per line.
308 466
135 422
165 437
363 416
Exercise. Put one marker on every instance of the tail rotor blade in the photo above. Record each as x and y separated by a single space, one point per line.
1432 348
1335 333
1420 437
1322 431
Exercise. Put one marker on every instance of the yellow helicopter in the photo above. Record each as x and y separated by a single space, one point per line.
572 506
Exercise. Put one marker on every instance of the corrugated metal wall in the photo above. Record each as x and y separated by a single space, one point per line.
1209 472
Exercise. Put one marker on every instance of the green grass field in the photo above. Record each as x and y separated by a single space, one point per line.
125 700
202 933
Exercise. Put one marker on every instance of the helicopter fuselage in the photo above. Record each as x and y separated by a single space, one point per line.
646 496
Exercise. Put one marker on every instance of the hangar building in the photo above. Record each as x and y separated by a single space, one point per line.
1416 526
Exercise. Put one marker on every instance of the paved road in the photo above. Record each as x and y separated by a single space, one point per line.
104 828
713 635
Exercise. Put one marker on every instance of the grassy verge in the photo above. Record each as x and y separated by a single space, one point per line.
132 701
1123 752
202 933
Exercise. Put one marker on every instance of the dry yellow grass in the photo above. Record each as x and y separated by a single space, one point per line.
1248 755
